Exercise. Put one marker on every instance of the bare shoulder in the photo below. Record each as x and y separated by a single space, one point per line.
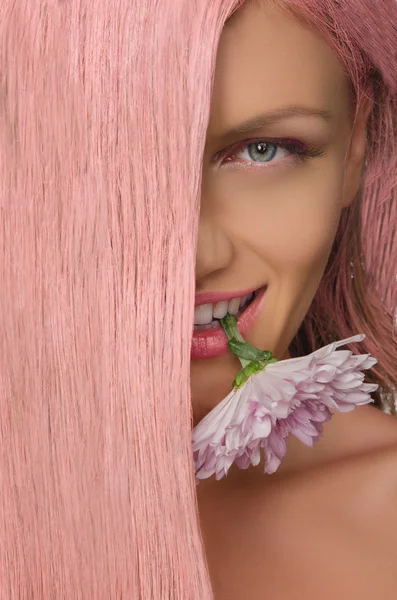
328 532
338 527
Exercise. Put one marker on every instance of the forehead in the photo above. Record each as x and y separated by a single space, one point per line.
267 59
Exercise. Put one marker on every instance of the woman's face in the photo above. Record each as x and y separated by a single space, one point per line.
269 214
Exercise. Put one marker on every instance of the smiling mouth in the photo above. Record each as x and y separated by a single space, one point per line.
215 323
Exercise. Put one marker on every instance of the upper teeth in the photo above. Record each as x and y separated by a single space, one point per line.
205 313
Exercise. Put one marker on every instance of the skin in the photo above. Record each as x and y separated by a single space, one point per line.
277 226
272 225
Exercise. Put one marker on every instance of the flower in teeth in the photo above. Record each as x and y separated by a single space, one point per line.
272 399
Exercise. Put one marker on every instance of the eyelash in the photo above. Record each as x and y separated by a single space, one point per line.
300 151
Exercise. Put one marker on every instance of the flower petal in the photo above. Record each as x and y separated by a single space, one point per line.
293 396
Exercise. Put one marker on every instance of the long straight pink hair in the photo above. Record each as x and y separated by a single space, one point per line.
103 114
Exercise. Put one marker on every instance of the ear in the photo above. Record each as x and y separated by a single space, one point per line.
355 156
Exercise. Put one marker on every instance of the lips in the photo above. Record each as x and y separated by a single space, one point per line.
212 342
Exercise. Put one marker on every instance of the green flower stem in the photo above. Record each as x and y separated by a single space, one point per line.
229 324
252 359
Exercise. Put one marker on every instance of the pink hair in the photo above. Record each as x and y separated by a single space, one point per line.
103 118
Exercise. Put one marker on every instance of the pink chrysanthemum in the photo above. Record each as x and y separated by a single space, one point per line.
292 396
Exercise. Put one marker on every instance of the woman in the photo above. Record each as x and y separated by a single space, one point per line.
267 218
125 200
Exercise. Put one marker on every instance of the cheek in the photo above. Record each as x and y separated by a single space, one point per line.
289 222
301 238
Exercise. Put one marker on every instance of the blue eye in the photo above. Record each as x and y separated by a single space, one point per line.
263 153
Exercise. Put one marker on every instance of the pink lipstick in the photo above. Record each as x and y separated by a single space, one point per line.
212 342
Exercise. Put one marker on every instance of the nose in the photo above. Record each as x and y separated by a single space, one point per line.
214 249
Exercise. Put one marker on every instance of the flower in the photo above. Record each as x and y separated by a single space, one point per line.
293 396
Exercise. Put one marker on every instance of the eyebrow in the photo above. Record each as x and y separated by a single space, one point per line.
265 119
